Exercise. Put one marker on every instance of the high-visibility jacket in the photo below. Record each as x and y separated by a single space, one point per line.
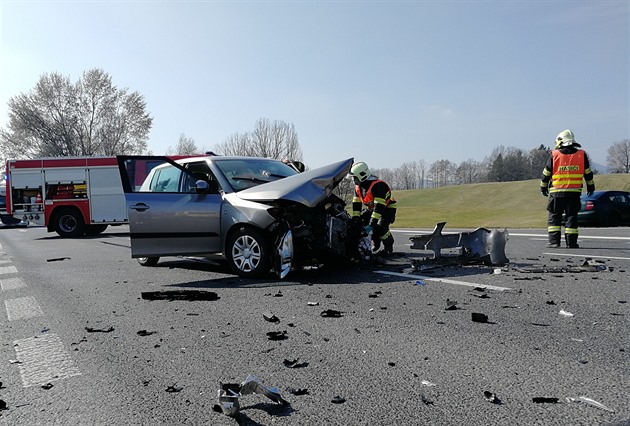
568 172
368 197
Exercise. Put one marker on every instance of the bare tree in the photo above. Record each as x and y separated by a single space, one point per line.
442 173
269 139
618 159
468 171
185 146
91 117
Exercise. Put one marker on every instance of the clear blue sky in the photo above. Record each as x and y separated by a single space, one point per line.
385 82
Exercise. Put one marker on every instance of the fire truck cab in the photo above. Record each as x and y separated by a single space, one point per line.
70 195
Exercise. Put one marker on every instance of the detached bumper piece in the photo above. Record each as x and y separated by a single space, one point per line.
230 393
480 245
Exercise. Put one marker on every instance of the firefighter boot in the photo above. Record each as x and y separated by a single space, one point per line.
571 240
554 240
388 245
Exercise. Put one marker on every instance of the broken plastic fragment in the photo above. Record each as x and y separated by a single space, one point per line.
277 335
426 400
331 313
294 363
297 392
252 385
338 400
427 383
491 397
99 330
171 295
544 400
312 303
268 316
477 317
47 386
145 332
174 388
589 401
565 313
58 259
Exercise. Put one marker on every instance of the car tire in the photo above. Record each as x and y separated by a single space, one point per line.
247 252
95 229
68 223
148 261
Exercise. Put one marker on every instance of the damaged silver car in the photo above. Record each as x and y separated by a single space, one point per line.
259 213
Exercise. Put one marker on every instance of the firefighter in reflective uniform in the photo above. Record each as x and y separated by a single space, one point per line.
376 195
562 183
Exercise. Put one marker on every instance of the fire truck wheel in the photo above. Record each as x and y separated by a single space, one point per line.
69 223
148 261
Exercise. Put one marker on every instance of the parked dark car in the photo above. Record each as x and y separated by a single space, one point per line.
605 208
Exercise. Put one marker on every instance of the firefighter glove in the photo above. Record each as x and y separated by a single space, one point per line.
590 189
368 229
544 192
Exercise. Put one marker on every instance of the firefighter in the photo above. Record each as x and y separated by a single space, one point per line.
562 184
376 195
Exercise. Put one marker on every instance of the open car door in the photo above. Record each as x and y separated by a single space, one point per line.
170 211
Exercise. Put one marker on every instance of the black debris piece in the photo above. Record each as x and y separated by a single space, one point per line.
545 400
99 330
451 305
482 296
338 400
174 388
298 391
277 335
550 302
278 294
372 295
391 364
294 363
57 259
539 324
331 313
478 317
491 397
83 340
217 408
47 386
170 295
426 400
268 316
3 404
145 332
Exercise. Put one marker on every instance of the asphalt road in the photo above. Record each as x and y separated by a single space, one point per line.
80 346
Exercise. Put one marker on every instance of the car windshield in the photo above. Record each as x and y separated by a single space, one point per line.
244 173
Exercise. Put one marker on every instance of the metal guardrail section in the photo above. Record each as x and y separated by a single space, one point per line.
480 245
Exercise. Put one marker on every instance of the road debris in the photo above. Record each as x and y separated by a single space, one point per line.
145 333
544 400
229 394
491 397
312 303
47 386
451 305
427 383
480 245
294 363
174 388
331 313
590 401
478 317
298 391
99 330
3 404
268 316
426 400
338 400
565 313
57 259
277 335
170 295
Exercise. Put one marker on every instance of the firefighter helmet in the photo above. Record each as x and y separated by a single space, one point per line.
565 137
360 171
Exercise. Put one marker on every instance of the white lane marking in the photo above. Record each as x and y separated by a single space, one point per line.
43 359
7 270
5 262
588 255
12 283
516 234
442 280
23 308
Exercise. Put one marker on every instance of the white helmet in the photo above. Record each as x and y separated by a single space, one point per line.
565 137
360 171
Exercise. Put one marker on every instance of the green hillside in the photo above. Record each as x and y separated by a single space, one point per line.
490 205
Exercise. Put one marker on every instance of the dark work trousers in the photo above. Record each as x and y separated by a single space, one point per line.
381 230
570 206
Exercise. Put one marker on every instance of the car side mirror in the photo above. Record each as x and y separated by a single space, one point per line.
202 187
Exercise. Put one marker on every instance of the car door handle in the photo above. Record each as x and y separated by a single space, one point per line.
140 207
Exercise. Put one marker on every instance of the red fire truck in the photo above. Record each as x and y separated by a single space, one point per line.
73 196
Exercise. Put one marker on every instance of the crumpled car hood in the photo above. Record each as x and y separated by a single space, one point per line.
309 188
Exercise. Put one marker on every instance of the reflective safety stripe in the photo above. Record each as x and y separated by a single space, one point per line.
571 231
568 171
551 229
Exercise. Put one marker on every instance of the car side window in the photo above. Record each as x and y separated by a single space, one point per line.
166 180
